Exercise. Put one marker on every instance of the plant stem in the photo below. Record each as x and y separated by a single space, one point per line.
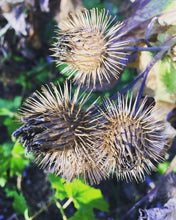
136 49
164 48
19 180
144 74
61 210
67 203
41 210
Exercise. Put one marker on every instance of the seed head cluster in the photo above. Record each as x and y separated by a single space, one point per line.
70 139
61 133
88 42
133 139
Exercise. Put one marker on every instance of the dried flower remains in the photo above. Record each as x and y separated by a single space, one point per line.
61 133
133 140
89 43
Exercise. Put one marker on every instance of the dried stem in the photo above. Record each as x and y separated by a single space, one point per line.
137 48
164 48
152 194
144 74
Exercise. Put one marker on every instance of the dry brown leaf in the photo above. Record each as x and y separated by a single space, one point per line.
165 102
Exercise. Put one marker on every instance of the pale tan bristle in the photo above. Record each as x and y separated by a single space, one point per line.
90 47
132 141
61 133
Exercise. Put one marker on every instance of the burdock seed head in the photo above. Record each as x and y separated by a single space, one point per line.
61 133
133 140
89 43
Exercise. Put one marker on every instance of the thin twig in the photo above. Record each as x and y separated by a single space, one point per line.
158 56
41 210
61 208
152 194
137 49
162 50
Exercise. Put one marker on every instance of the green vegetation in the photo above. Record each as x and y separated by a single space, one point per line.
25 65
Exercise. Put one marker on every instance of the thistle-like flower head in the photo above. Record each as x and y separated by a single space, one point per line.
88 42
61 133
133 139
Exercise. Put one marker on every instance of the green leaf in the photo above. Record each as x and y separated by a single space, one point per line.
3 181
19 203
10 105
162 167
58 184
6 112
17 102
7 148
12 156
85 196
93 4
83 215
18 160
4 164
18 59
21 80
11 124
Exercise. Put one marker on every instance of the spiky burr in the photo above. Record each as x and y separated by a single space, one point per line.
61 133
89 45
133 140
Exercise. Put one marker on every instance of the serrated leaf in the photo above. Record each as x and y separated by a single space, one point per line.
85 196
58 184
19 203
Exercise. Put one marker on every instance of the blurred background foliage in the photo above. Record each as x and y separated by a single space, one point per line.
27 29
